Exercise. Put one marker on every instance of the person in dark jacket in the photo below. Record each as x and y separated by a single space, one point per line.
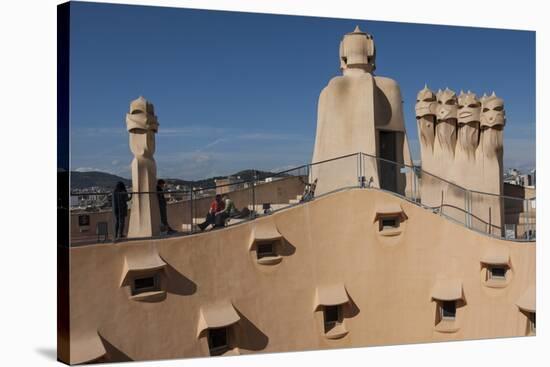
164 227
120 207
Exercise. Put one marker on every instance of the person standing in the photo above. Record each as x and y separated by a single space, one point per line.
120 208
164 226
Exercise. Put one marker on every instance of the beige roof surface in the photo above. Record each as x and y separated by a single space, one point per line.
86 348
528 301
217 315
331 295
447 290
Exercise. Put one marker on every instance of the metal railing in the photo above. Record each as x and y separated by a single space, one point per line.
95 219
500 216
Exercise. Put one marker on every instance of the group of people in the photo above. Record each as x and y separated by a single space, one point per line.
220 210
120 208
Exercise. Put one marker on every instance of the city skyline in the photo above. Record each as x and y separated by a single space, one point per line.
220 93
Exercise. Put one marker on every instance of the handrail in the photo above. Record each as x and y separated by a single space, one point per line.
467 212
423 171
414 168
304 171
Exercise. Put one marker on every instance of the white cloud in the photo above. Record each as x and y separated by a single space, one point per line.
234 136
271 136
90 132
201 158
213 143
190 131
88 169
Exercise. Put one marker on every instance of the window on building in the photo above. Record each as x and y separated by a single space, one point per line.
265 249
83 220
145 284
218 340
389 223
497 272
448 310
332 316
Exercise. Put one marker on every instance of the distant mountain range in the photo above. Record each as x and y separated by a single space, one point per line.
82 180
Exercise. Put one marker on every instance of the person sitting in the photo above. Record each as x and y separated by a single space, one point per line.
216 206
229 211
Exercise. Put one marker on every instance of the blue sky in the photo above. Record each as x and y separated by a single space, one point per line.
238 90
